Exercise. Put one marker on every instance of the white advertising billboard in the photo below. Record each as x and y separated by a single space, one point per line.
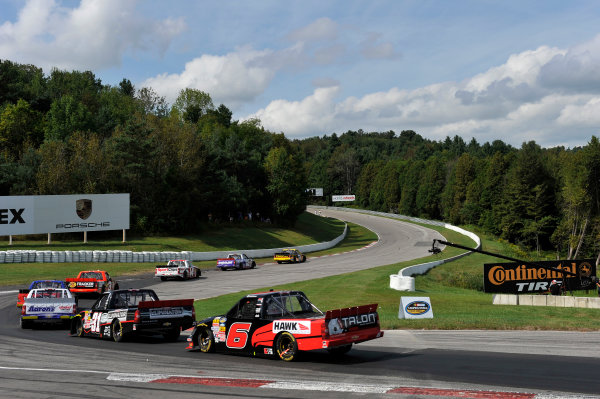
40 214
348 197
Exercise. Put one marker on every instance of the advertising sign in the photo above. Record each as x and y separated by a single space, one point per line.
338 198
41 214
515 278
412 307
315 192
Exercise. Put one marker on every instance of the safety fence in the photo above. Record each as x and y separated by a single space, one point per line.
31 256
403 281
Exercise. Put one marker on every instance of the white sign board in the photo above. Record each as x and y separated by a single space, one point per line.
348 197
413 307
315 192
40 214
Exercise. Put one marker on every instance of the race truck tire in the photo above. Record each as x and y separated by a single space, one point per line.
172 335
185 275
206 340
253 265
339 350
116 331
116 286
198 273
303 259
25 324
77 329
163 278
279 261
286 346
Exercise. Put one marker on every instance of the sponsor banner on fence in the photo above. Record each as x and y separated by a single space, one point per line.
413 307
338 198
516 278
40 214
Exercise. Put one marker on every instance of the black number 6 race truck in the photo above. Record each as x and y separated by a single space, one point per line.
117 314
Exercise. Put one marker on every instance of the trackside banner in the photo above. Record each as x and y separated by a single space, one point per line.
339 198
516 278
40 214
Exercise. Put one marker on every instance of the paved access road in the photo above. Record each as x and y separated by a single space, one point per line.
404 364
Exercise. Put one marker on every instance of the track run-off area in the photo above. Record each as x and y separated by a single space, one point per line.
47 362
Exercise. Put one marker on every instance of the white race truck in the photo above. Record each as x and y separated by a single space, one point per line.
177 268
48 305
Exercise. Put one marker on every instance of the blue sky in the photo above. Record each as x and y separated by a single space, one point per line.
509 70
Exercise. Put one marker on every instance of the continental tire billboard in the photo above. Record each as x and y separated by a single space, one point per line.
516 278
40 214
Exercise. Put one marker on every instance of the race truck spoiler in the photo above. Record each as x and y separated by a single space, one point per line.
225 262
351 325
165 303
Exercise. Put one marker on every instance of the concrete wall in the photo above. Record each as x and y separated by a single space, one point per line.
546 300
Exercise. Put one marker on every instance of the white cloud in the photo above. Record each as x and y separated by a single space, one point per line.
314 113
323 29
524 99
372 49
231 79
94 35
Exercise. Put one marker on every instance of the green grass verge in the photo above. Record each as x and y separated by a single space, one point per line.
453 289
309 229
24 273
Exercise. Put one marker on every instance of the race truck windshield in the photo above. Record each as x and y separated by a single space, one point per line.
49 294
47 284
133 298
94 275
290 305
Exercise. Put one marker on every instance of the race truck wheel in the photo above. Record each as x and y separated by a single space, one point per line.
173 334
253 265
185 275
25 324
116 331
77 328
279 261
339 350
116 286
206 339
286 346
163 278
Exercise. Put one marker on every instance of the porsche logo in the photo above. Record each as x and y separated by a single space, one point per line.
83 207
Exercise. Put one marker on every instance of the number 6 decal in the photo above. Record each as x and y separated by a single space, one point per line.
238 335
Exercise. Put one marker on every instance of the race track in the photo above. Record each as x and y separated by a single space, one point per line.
404 364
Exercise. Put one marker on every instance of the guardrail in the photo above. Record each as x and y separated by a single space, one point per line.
403 281
30 256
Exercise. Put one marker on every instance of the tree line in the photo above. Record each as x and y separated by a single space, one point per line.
543 199
184 165
189 164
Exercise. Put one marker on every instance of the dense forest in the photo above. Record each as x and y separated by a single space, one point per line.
189 164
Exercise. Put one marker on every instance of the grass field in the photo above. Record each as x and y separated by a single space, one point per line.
326 229
453 289
309 229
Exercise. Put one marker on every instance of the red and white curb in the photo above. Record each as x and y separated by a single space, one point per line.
336 387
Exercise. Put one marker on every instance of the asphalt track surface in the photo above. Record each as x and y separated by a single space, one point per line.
47 363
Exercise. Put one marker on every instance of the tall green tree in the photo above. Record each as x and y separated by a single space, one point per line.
192 104
286 186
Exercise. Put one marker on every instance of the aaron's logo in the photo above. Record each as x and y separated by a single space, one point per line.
83 207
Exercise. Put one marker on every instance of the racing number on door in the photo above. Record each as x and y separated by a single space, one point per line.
238 335
96 322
